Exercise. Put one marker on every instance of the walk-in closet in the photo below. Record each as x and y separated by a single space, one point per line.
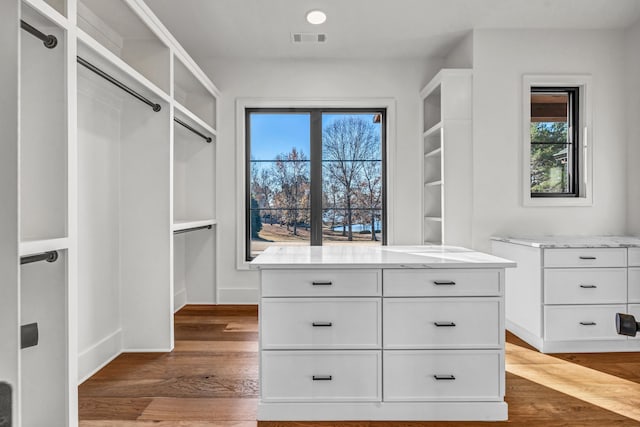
113 175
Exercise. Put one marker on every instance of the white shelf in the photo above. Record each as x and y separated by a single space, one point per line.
432 183
49 11
127 70
433 129
432 153
185 224
30 247
189 115
433 218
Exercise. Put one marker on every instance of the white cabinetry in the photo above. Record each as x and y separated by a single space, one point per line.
386 343
565 293
447 151
101 168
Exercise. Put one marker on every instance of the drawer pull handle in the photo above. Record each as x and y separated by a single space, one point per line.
322 377
321 324
587 257
588 323
444 377
444 282
588 286
322 283
444 324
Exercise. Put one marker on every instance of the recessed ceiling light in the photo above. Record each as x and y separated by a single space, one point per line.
316 17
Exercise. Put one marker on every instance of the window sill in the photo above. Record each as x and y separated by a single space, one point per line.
557 201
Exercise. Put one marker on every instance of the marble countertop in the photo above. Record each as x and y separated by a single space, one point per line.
355 256
573 241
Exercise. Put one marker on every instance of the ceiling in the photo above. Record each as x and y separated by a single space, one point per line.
369 28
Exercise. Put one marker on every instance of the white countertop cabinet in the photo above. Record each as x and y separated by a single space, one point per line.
565 292
381 333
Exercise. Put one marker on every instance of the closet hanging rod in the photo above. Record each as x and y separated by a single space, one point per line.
197 132
186 230
50 256
110 79
50 41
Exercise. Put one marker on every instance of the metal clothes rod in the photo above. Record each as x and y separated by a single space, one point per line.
186 230
50 41
50 256
110 79
197 132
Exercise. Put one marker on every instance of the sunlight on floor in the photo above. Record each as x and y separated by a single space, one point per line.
597 388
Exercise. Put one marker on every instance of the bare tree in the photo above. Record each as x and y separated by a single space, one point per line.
290 173
346 146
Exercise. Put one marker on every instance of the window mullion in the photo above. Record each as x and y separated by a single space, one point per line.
316 177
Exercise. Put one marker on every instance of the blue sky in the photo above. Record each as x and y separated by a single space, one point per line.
276 133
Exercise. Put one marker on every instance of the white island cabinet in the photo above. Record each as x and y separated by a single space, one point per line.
566 291
381 333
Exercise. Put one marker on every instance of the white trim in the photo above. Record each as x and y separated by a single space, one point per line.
179 300
99 355
384 411
243 103
584 82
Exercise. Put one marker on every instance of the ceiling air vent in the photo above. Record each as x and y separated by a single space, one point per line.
308 37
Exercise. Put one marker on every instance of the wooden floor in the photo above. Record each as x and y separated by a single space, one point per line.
211 379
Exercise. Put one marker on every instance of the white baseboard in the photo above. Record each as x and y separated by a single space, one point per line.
238 296
524 334
99 355
179 300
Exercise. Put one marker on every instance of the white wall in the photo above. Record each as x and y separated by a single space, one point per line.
501 57
310 79
632 67
461 56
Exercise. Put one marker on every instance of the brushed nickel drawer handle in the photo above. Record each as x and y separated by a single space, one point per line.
444 324
322 283
321 324
587 257
322 377
444 377
588 323
444 282
588 286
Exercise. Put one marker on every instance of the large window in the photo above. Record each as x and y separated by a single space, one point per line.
314 177
554 141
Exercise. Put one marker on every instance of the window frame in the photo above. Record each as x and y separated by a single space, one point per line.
347 104
573 116
582 194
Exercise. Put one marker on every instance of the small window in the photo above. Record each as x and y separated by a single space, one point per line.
554 142
557 151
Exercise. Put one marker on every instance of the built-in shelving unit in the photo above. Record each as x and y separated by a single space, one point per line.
45 286
117 28
114 189
191 94
446 148
193 197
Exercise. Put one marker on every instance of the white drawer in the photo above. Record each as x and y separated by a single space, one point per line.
634 285
441 282
587 257
634 310
571 322
441 323
442 375
634 257
321 283
326 376
320 323
585 286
